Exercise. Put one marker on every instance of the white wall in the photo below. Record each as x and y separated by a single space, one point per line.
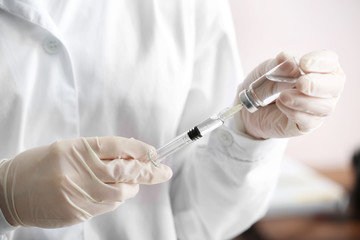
265 28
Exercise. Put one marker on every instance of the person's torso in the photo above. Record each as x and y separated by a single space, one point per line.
96 68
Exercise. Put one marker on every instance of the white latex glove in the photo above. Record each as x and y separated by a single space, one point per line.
302 109
72 180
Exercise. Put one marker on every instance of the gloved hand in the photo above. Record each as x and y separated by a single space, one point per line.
72 180
302 109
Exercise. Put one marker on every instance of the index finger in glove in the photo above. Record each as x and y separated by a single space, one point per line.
118 147
124 168
134 171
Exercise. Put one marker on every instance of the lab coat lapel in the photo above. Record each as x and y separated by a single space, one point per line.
32 12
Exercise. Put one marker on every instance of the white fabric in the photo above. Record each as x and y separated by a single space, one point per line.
142 69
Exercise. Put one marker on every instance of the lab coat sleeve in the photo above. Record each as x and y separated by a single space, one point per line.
223 183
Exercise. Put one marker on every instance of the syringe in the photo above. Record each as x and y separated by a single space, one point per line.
260 93
194 134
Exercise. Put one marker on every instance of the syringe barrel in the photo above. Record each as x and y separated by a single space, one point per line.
209 125
188 137
171 147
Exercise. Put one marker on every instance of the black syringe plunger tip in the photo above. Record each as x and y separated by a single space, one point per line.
194 134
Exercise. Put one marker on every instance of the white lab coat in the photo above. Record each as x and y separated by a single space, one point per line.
142 69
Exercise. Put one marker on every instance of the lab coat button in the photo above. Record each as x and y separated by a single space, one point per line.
225 138
51 45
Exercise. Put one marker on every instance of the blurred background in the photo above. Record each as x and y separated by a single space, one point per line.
322 160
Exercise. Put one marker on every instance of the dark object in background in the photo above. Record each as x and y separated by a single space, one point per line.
354 207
